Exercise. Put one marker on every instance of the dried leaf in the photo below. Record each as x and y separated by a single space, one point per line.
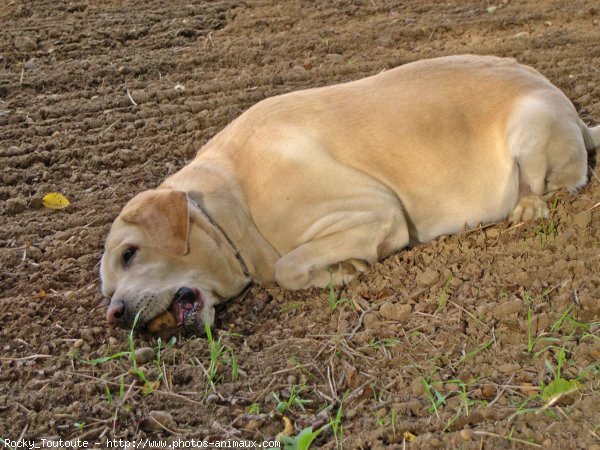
409 436
55 200
288 429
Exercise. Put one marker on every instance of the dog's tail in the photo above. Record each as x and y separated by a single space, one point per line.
591 137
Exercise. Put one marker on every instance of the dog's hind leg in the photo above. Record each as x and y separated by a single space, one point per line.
546 140
361 239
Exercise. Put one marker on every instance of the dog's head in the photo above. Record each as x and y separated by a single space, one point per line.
165 261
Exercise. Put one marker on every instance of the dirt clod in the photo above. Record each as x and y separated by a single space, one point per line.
395 311
582 219
427 278
25 44
15 205
158 421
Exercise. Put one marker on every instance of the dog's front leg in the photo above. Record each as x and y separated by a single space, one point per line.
340 256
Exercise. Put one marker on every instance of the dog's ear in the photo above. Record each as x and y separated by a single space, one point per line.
163 216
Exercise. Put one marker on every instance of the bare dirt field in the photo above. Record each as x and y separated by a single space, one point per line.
488 339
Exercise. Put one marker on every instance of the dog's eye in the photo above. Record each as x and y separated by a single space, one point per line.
128 255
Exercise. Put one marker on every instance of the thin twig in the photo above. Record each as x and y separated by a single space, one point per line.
137 389
331 382
25 358
131 98
22 435
514 227
360 320
478 228
554 399
594 207
501 391
470 314
110 126
520 441
289 369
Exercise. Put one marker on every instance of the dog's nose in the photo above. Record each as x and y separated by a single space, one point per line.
185 295
115 311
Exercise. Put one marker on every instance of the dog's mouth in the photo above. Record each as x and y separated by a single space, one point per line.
181 312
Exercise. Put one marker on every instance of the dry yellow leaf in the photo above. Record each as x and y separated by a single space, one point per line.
409 436
55 200
288 429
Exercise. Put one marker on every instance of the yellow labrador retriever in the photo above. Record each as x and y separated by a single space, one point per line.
324 182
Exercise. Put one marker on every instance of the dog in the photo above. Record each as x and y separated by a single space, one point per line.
313 186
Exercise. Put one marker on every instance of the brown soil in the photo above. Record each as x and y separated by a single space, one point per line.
451 315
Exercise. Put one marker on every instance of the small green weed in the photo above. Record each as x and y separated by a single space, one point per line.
292 306
148 386
294 400
549 393
443 298
465 401
384 343
334 302
254 409
219 354
545 230
5 444
434 396
393 420
302 441
108 395
476 350
336 423
305 438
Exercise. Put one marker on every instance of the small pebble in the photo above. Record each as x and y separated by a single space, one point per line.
292 379
144 354
212 398
488 391
158 420
30 64
254 424
78 343
466 435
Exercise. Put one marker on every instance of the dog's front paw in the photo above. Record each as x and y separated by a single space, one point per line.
529 207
